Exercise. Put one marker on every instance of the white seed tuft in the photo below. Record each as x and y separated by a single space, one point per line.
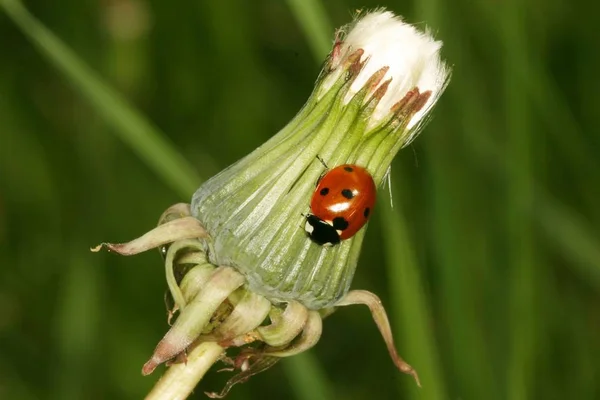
413 58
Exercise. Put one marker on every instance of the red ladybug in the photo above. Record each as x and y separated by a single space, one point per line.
341 204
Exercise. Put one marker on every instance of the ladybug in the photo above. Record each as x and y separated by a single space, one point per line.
341 204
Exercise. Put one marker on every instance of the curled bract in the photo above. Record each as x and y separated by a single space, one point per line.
214 305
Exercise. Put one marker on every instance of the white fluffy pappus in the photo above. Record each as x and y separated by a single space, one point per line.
413 58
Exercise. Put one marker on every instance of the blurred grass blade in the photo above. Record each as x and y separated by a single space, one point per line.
150 144
572 237
410 309
546 96
458 259
307 377
452 255
312 17
522 258
77 321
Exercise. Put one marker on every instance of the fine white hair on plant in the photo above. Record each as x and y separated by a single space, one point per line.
387 181
412 56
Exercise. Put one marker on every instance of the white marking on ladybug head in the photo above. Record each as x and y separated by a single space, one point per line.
309 228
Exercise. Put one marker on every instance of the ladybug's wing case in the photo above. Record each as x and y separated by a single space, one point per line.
359 212
345 197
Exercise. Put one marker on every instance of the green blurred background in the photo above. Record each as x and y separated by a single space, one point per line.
489 263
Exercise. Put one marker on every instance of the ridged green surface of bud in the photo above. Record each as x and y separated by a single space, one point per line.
253 210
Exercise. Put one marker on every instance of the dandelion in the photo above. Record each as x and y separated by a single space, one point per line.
248 285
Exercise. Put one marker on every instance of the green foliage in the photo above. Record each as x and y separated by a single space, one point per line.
489 263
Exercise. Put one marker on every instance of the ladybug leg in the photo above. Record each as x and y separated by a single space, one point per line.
322 161
303 224
324 172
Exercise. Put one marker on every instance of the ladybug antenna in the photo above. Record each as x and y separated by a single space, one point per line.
322 162
388 180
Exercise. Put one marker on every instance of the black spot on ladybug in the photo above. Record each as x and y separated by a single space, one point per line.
324 191
348 169
347 193
366 212
340 224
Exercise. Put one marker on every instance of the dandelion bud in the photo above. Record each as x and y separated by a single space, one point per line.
379 83
242 263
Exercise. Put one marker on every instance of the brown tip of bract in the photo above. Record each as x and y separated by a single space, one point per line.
377 77
355 63
97 248
381 90
409 98
416 376
406 368
150 366
421 101
114 247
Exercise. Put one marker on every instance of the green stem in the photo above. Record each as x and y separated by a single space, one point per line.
180 379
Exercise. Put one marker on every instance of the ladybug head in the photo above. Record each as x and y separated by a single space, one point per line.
321 232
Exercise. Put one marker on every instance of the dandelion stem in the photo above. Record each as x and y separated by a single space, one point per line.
180 379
